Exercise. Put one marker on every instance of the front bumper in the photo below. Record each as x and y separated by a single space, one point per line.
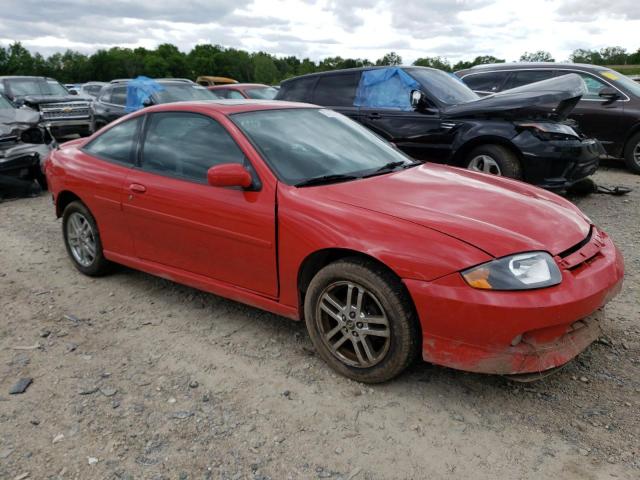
558 164
519 332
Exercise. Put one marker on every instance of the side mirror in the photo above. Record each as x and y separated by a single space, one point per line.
608 93
147 102
418 99
229 175
73 92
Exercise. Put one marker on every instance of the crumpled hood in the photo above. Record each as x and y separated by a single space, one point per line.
14 121
554 99
497 215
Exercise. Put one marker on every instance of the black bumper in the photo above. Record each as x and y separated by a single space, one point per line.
558 164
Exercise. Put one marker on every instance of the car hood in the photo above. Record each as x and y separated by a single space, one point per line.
554 99
38 99
497 215
15 120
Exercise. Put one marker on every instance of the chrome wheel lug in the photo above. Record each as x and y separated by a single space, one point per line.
359 324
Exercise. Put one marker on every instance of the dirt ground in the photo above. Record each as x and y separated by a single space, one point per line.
135 377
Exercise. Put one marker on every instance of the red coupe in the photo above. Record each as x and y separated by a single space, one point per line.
298 210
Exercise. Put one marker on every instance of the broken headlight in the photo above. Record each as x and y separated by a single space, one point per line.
549 131
523 271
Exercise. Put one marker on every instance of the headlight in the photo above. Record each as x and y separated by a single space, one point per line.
549 131
524 271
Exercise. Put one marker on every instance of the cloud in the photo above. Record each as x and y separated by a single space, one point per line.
591 10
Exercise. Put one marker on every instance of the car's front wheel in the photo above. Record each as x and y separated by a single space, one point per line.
82 240
632 153
495 160
361 321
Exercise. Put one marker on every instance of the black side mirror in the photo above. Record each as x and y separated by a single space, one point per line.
609 94
147 102
73 92
418 100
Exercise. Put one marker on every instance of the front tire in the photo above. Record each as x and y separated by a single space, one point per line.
82 240
361 320
494 160
632 153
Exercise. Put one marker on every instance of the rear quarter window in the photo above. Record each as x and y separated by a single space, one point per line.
336 90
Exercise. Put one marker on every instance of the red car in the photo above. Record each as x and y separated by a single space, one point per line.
300 211
255 91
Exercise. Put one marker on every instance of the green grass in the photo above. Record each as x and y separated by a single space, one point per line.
627 69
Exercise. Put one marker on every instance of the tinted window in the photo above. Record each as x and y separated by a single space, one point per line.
336 90
182 92
489 82
118 143
119 95
297 90
593 86
186 145
261 93
445 87
525 77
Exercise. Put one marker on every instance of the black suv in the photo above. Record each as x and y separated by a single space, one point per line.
610 111
111 102
64 112
432 115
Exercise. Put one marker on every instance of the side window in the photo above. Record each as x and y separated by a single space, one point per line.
117 143
490 82
234 94
297 90
106 95
525 77
593 86
186 145
119 95
336 90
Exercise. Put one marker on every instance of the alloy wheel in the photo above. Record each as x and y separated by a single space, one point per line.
484 164
353 324
636 153
81 239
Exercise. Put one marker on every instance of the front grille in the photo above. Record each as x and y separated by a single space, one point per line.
64 110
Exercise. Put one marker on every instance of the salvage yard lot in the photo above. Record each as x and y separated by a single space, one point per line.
138 377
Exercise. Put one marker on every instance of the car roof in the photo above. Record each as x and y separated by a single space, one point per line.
532 65
226 106
357 69
239 86
18 77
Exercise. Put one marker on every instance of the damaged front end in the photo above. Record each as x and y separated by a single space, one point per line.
24 145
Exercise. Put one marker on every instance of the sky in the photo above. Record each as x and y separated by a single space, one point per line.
456 29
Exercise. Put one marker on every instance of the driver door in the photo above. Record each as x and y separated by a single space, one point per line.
177 219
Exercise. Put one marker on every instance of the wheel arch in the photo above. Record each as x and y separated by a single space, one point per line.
63 199
319 259
632 132
461 153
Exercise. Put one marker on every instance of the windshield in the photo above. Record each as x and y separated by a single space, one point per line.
4 103
443 86
303 143
21 87
261 93
182 92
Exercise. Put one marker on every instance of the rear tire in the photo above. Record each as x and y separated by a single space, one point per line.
82 240
632 153
494 160
378 327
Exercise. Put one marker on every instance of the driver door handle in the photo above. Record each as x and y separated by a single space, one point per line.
137 188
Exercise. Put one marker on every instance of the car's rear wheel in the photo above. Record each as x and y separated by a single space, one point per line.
632 153
494 160
361 321
82 240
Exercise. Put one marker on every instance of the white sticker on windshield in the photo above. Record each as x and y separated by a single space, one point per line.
330 113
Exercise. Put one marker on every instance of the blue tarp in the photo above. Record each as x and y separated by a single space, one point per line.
385 88
138 90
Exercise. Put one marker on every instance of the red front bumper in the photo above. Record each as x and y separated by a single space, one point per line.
522 331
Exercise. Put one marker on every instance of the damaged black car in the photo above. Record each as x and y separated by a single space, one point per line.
64 112
24 145
431 115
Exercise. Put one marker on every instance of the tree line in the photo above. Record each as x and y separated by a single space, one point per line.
168 61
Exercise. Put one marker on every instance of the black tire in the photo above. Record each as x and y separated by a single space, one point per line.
41 179
507 160
404 338
98 265
632 147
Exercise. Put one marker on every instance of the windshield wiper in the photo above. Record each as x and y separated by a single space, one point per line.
337 177
389 167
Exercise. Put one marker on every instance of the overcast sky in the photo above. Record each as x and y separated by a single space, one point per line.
457 29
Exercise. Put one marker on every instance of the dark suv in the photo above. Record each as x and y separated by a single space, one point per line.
432 115
610 111
111 103
65 113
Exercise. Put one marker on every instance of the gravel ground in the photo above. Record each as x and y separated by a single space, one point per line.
138 377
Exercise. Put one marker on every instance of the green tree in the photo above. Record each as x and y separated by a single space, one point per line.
391 58
440 63
539 56
480 60
264 69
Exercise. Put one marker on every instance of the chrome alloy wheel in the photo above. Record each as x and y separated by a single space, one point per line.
484 164
353 324
81 239
636 153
